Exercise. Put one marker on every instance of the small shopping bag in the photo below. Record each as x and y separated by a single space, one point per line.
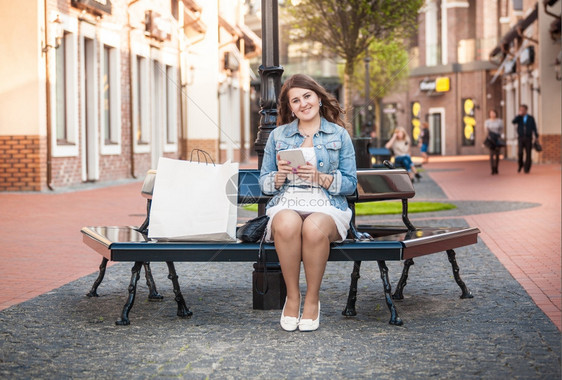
194 201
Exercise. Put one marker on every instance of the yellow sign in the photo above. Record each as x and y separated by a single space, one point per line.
442 84
468 121
416 113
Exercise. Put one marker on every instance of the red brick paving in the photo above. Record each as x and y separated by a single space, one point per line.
527 241
40 236
42 245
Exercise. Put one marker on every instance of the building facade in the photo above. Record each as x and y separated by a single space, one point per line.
454 81
98 90
528 58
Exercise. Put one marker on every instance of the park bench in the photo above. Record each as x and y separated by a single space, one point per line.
379 155
365 243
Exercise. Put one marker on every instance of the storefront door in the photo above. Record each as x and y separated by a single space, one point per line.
434 133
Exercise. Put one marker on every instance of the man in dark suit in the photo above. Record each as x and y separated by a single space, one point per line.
526 127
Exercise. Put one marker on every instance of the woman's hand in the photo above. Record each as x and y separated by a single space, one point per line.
309 173
388 145
283 169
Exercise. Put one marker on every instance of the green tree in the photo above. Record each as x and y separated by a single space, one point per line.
388 66
347 28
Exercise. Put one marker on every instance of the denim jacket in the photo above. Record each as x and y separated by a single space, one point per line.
334 154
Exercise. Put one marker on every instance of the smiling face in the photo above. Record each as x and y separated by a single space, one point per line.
304 103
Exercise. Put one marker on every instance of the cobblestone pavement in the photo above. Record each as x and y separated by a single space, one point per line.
499 334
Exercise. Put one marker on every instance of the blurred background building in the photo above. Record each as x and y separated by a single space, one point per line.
98 90
472 56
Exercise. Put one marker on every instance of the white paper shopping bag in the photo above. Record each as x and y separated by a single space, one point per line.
194 201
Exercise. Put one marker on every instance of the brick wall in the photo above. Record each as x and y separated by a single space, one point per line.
551 149
236 155
209 146
67 171
21 168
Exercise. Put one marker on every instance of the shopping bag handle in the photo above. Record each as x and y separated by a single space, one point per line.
200 152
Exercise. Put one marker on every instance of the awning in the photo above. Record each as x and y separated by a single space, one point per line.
507 63
192 5
192 23
252 43
514 32
96 7
228 27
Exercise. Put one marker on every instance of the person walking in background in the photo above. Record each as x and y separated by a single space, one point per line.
424 141
308 210
494 126
399 143
526 127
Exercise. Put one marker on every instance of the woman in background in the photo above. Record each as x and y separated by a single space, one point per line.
424 140
399 143
494 126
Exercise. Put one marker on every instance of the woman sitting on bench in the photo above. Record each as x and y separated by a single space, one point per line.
399 143
309 209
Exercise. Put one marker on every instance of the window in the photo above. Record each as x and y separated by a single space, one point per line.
141 122
171 105
432 38
60 93
63 91
106 96
174 8
141 101
110 93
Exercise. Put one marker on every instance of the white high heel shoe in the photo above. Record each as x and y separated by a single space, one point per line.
289 323
310 324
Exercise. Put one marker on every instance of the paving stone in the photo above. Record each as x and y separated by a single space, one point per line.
499 334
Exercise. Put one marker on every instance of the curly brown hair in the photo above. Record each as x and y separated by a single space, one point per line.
330 110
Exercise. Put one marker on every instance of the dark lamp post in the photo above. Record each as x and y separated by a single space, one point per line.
368 120
270 75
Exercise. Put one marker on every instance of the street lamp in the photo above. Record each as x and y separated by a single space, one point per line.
270 75
368 121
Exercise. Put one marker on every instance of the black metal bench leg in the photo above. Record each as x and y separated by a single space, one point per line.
403 279
183 310
452 259
153 294
135 275
394 319
349 310
94 291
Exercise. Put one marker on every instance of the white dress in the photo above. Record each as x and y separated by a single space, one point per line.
299 196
